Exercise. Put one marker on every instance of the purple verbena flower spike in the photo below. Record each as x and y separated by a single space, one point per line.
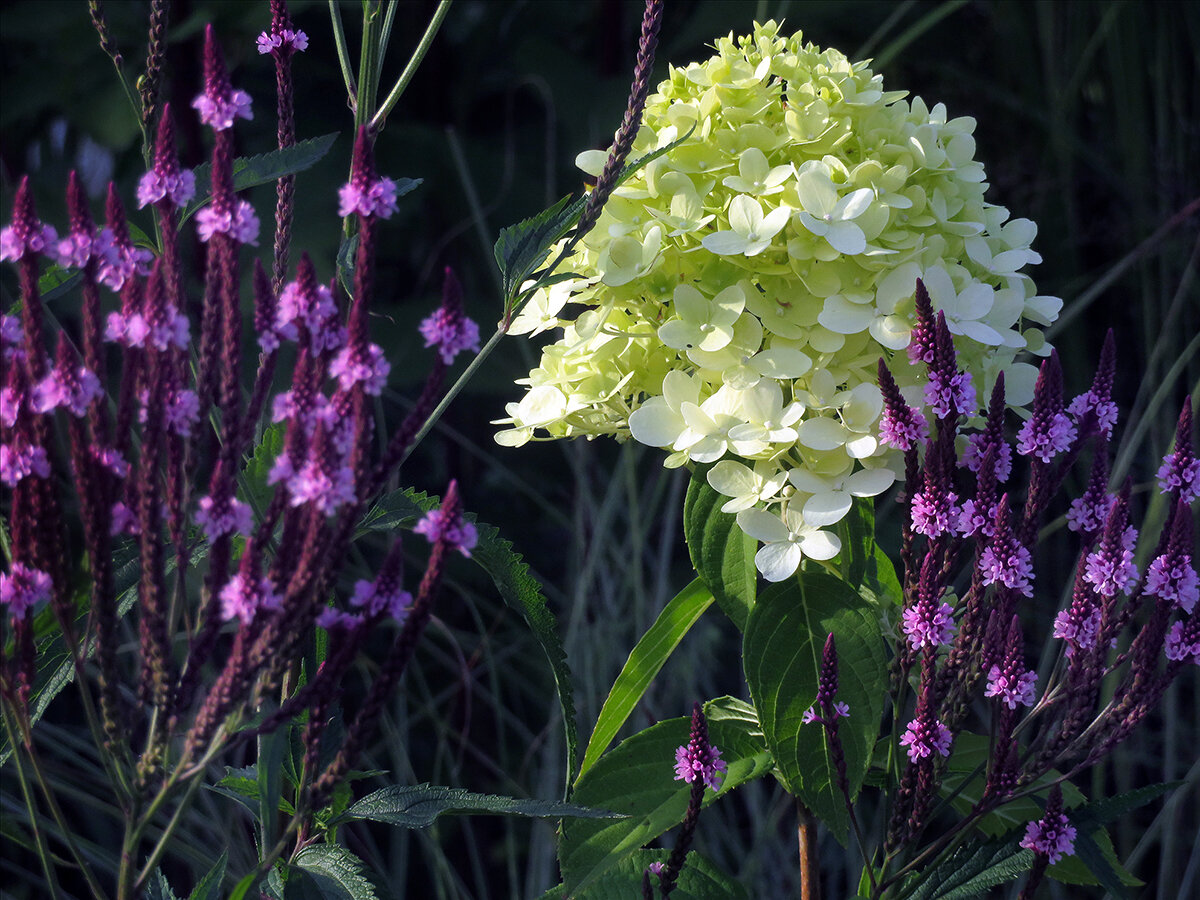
166 182
921 345
901 426
698 760
448 327
935 509
929 622
281 39
1110 568
825 710
1180 471
1005 560
124 260
1089 511
25 236
1094 409
1008 680
441 524
991 436
1049 430
219 104
1172 576
949 392
1052 835
69 384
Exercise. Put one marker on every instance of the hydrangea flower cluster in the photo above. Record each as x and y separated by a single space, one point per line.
737 291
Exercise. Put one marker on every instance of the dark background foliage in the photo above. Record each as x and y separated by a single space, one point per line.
1088 122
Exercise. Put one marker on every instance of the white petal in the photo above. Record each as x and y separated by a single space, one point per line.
846 237
854 205
826 508
732 479
821 545
779 560
725 243
654 424
822 434
690 304
870 482
762 525
745 214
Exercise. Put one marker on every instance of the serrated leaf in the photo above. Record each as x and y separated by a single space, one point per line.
244 786
522 247
516 585
419 805
637 778
644 663
250 171
973 868
159 888
337 872
781 652
209 887
722 554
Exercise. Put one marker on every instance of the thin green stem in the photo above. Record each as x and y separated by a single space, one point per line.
160 846
368 63
453 392
389 18
343 51
414 61
43 851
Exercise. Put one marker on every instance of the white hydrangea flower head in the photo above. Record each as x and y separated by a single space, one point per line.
737 292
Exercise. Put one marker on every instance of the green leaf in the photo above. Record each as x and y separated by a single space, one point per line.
271 749
244 786
209 887
722 554
57 281
345 263
699 879
521 248
862 563
254 476
637 778
520 590
244 886
336 872
418 805
973 868
159 888
781 652
250 171
644 663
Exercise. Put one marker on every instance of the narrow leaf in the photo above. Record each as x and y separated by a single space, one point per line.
159 888
644 663
418 805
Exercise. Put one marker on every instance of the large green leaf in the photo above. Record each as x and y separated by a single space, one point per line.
722 554
335 872
637 778
861 562
972 869
520 590
782 649
418 805
644 663
250 171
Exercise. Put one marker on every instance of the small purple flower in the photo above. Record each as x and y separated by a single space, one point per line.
376 198
10 406
456 531
923 736
1045 440
1173 580
1104 409
1078 627
1011 687
655 868
698 759
244 595
1089 512
70 386
332 619
976 518
304 303
1052 835
23 588
218 517
219 104
1180 470
840 711
123 520
12 335
1183 641
166 181
239 222
110 459
123 262
378 598
328 487
450 333
19 460
26 235
1111 569
935 513
286 39
352 365
928 624
950 394
182 411
1006 560
976 449
83 244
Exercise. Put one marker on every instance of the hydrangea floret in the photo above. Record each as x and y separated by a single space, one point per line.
733 300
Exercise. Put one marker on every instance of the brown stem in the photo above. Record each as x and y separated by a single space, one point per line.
806 835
